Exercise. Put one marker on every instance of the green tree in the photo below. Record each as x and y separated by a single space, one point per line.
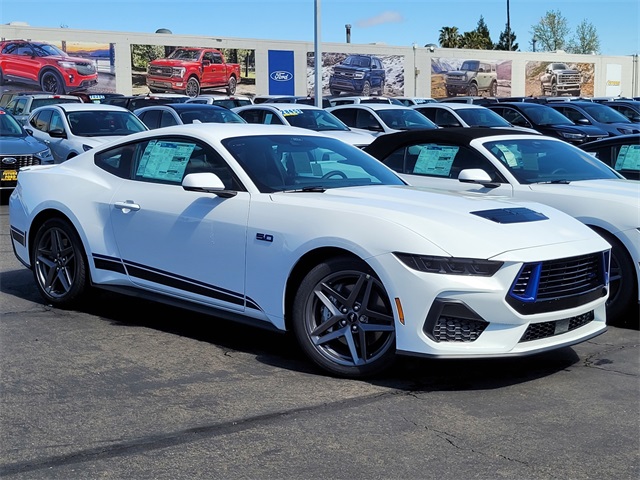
449 37
551 31
507 40
473 39
585 39
484 37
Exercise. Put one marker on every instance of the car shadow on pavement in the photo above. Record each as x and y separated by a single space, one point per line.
281 350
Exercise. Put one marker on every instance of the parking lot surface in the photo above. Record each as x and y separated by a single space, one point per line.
127 389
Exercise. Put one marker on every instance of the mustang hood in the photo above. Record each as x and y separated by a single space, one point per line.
454 222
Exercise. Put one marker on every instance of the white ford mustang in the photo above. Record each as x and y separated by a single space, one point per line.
293 230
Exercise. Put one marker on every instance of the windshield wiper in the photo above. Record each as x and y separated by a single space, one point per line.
560 182
306 189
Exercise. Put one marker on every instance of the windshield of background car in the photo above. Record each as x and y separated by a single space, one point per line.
104 123
543 115
297 162
9 126
475 117
318 120
184 54
541 160
210 115
605 114
401 119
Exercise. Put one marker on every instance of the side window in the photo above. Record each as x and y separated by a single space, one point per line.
445 118
366 120
347 115
17 107
430 113
217 58
56 122
42 121
167 120
150 118
117 161
627 159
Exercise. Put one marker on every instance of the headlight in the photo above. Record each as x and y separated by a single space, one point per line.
86 147
450 265
178 71
66 64
574 136
358 75
44 156
626 131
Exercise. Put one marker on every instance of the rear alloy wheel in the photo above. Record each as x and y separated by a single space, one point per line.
59 264
193 87
343 319
493 89
231 88
51 82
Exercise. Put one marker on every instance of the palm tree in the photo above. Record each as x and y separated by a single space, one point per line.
449 37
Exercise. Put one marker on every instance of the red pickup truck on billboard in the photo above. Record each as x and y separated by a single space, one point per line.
190 70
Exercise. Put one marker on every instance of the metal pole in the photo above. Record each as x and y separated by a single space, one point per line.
348 28
318 56
508 27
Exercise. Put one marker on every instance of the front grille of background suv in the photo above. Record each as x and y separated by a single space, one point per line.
559 284
21 161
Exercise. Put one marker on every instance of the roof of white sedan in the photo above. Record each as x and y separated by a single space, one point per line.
371 106
450 106
277 106
84 107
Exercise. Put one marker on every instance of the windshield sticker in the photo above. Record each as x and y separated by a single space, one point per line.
435 160
628 158
163 160
291 111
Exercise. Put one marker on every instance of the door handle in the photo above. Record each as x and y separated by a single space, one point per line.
127 206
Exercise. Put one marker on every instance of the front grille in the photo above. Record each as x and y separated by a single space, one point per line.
20 161
88 68
536 331
569 78
161 71
557 284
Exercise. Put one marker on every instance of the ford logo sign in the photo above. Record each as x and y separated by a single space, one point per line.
9 161
281 76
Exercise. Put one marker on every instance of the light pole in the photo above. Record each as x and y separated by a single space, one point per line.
348 28
508 28
317 56
533 42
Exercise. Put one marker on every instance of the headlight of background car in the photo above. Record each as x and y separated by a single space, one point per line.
45 156
626 131
574 136
358 75
450 265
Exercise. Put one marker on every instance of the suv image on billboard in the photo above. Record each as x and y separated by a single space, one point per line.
358 75
472 78
45 65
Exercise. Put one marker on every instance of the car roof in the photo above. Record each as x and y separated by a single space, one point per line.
182 107
387 144
452 106
80 107
278 106
371 106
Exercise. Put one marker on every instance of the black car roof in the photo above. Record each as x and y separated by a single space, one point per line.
386 144
181 107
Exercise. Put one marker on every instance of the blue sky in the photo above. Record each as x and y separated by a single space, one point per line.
393 22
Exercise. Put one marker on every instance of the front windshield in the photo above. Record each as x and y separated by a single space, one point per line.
298 162
470 66
546 160
318 120
480 117
9 126
184 54
543 115
46 50
605 114
104 123
401 119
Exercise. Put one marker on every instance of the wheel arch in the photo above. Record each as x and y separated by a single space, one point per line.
302 268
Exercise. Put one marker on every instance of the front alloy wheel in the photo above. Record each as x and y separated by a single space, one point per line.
343 319
193 87
59 265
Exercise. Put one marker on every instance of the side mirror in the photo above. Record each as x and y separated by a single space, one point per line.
57 133
477 175
206 182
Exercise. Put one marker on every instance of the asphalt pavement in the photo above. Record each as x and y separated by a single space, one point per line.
128 389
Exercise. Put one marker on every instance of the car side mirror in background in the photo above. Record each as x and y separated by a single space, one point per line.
57 133
583 121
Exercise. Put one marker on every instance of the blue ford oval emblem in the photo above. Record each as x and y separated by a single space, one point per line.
9 161
281 76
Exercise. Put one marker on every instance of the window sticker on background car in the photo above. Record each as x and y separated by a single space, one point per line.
628 158
292 111
164 160
435 160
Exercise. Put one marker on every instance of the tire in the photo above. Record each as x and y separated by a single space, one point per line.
450 94
193 87
343 319
554 90
493 89
622 283
1 78
231 87
154 90
59 264
472 91
51 82
366 89
542 89
335 93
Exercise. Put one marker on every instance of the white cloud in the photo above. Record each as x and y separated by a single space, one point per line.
384 17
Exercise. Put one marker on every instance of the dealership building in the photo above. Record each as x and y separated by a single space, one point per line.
287 67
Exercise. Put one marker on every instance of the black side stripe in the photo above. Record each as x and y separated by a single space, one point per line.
160 277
